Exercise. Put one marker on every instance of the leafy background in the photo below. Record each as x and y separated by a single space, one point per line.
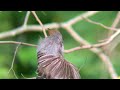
91 67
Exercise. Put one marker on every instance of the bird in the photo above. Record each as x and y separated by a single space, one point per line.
51 61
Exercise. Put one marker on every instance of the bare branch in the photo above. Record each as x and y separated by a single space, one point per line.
14 42
109 65
28 28
95 45
67 26
116 21
39 21
11 68
27 78
73 49
110 47
14 74
100 24
79 17
26 18
103 57
35 28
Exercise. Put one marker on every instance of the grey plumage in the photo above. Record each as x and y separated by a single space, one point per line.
51 62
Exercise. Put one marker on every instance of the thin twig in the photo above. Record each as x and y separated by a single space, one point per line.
39 21
26 77
110 47
70 50
95 45
103 57
15 42
100 24
67 26
26 18
11 68
14 74
82 65
23 76
79 17
28 28
116 21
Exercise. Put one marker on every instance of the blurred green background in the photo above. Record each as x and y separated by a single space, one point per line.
91 67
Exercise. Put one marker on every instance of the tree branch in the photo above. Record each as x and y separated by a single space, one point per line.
14 74
100 24
68 27
95 45
110 47
30 28
79 17
14 42
27 78
73 49
103 57
11 68
26 18
39 21
116 21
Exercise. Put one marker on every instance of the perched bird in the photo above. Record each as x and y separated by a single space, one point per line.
51 62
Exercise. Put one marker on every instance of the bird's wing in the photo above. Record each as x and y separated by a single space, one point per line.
52 67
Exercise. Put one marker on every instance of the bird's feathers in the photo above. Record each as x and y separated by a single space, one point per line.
51 63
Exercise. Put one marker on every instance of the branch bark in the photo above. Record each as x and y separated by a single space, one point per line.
97 51
39 21
68 27
14 42
108 41
33 28
26 19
